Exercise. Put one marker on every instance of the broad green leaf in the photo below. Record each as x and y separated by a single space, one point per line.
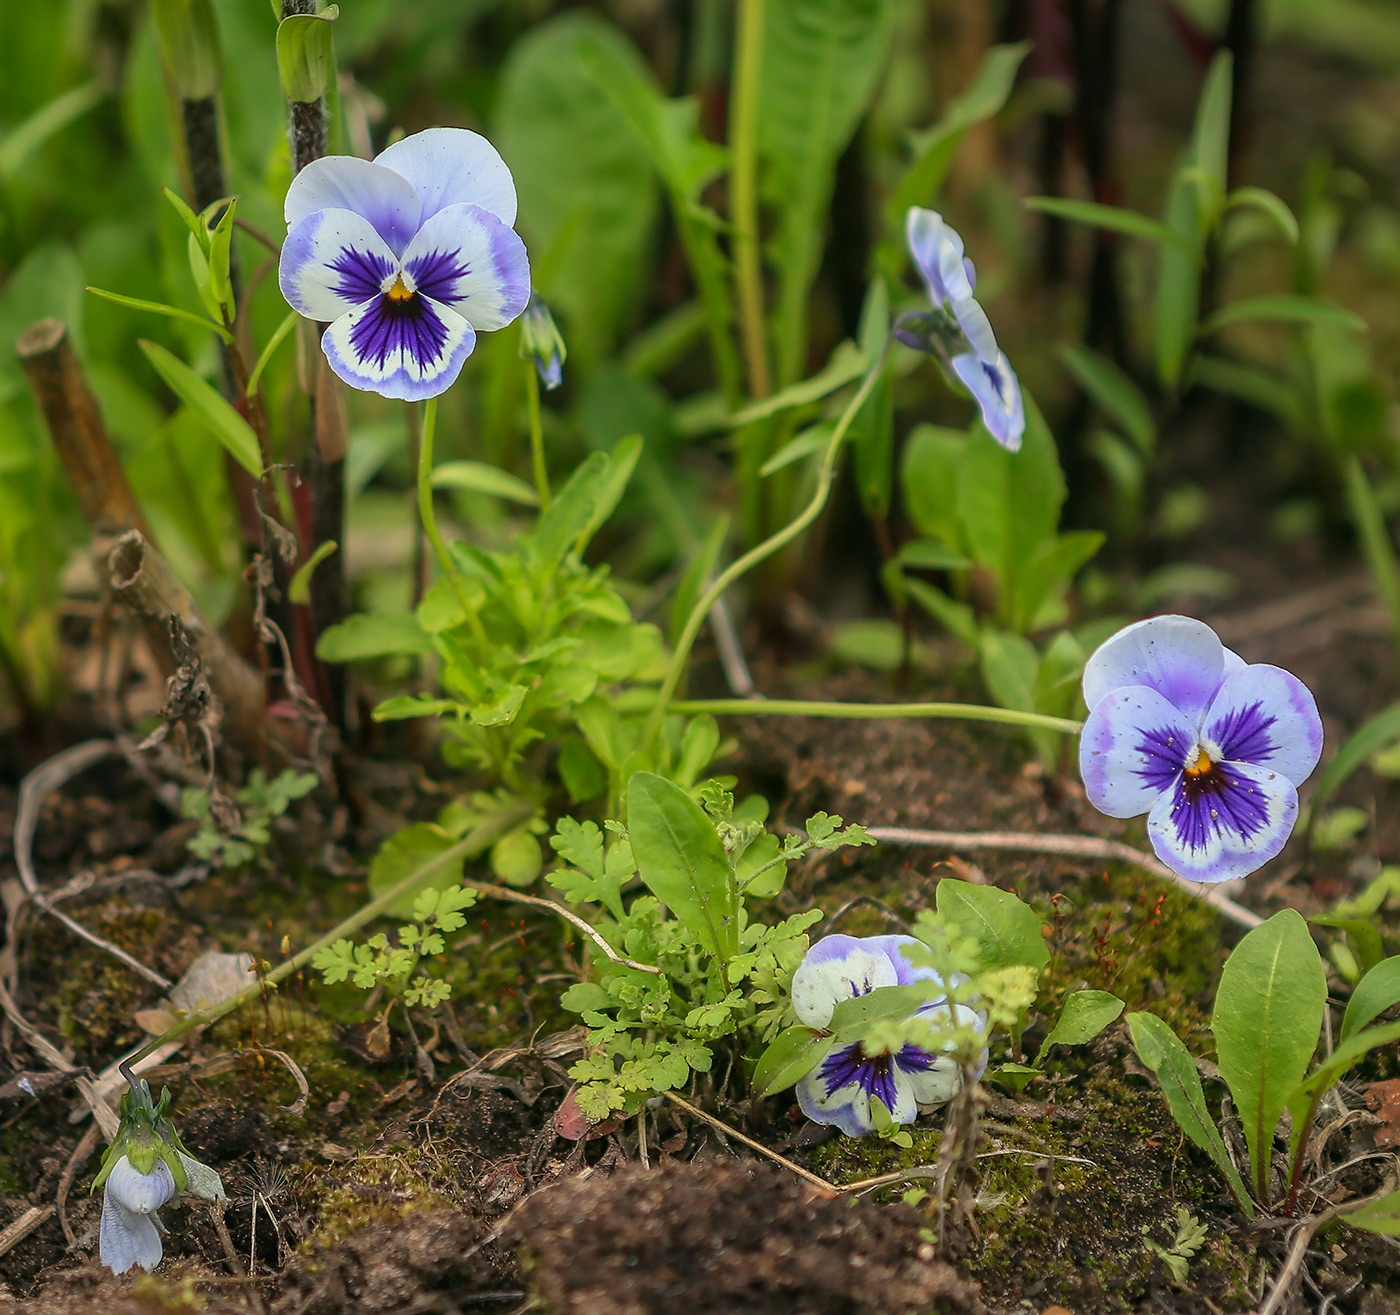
847 362
926 555
1042 576
1009 666
928 480
851 1016
571 510
1260 198
502 711
681 861
622 461
1286 307
1304 1098
1381 1216
407 707
1210 142
516 858
957 618
403 854
1084 1016
1160 1049
478 477
1267 1018
588 197
372 635
1378 991
1380 731
1014 1077
1116 394
1113 218
794 1053
160 308
230 428
1006 929
821 63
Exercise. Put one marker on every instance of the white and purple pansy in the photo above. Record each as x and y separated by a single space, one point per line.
127 1235
839 1090
405 258
951 279
1211 749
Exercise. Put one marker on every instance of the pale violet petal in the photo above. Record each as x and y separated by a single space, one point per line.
937 250
398 356
847 1108
381 196
450 166
837 968
126 1238
1134 745
1266 716
998 393
143 1193
937 1084
468 259
1224 834
1178 656
977 329
333 261
906 972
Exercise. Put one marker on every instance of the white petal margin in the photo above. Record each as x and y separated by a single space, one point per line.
449 166
1178 656
837 968
942 1081
1226 855
1267 693
344 182
848 1107
496 285
1132 746
400 376
308 273
127 1235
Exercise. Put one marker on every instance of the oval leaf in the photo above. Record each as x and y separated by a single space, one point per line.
1085 1015
1007 930
1374 994
794 1053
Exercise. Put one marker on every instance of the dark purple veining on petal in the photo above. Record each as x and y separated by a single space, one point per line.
1164 750
436 274
391 325
873 1073
361 274
1243 734
1217 800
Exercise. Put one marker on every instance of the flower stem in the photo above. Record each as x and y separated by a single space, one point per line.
805 708
743 184
825 475
532 392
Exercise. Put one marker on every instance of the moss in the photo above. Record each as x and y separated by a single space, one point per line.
161 1293
373 1189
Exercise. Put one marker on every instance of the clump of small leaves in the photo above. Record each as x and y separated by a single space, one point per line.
1190 1238
232 833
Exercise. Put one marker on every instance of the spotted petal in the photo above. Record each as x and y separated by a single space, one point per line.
998 392
466 258
451 166
345 182
1264 715
839 968
407 350
1228 829
1178 656
1133 747
332 262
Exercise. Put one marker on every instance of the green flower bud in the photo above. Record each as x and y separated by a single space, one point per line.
541 342
189 46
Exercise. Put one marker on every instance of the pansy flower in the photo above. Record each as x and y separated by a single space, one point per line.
1211 749
406 258
971 346
839 1090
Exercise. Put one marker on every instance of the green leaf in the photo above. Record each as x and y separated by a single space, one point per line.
1376 992
409 706
928 480
516 858
1116 394
306 54
1044 574
622 461
1287 307
1117 220
1085 1015
1260 198
697 577
681 861
957 618
1267 1018
821 65
1006 929
1260 388
299 588
279 336
871 432
1179 282
160 308
478 477
221 254
1304 1098
371 635
1379 732
926 555
403 854
806 444
187 35
794 1053
1381 1216
851 1017
1210 142
1009 667
49 119
230 428
1363 937
847 362
1161 1050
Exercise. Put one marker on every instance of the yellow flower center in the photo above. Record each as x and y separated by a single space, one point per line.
400 291
1202 766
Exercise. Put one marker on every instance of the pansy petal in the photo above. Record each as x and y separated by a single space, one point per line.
977 329
1178 656
407 350
906 972
126 1238
998 394
847 1108
838 968
143 1193
468 259
333 261
1226 831
937 249
1266 716
450 166
932 1079
345 182
1134 746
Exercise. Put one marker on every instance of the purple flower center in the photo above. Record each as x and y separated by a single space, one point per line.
1217 799
874 1074
394 323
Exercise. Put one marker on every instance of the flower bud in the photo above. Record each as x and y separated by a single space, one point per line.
541 341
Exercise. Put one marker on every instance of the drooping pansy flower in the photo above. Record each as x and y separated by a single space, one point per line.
839 1090
406 258
958 329
1211 749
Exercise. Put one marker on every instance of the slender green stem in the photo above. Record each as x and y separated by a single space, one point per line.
868 711
825 475
532 392
743 192
474 843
